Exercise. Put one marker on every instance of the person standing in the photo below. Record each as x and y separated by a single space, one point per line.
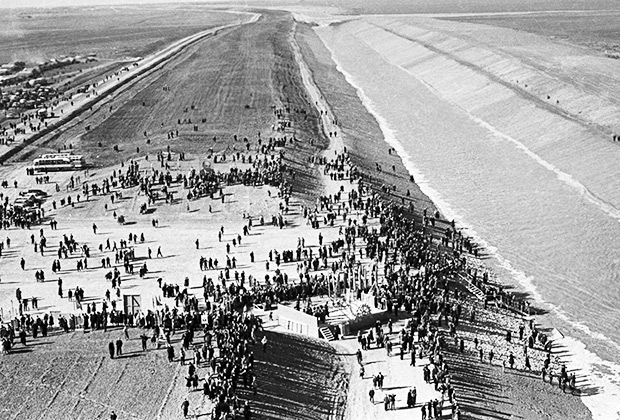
111 349
247 412
185 407
144 338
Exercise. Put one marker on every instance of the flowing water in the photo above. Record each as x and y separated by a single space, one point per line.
545 231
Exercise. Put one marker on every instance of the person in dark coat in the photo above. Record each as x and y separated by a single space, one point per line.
247 413
144 338
185 407
111 349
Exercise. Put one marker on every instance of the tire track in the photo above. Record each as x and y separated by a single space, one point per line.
173 384
92 377
58 391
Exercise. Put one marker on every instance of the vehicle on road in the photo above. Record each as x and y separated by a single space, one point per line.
59 162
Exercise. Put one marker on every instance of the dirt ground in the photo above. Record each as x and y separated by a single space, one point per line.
211 95
302 378
231 80
71 376
33 35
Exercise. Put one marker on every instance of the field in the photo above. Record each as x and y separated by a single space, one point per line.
114 36
34 35
593 29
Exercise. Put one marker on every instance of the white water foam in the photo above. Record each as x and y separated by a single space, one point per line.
599 386
603 392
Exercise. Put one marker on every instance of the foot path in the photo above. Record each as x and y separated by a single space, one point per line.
400 376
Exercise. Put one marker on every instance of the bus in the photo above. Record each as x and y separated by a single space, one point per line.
59 162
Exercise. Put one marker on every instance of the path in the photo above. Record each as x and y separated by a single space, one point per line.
400 377
329 122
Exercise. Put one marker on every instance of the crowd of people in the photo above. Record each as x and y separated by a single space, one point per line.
414 269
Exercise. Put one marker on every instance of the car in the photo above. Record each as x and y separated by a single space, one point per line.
24 202
37 193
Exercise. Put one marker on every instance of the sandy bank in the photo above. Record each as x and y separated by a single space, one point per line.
71 376
362 134
515 399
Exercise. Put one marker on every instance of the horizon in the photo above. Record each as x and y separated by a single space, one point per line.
535 5
38 4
